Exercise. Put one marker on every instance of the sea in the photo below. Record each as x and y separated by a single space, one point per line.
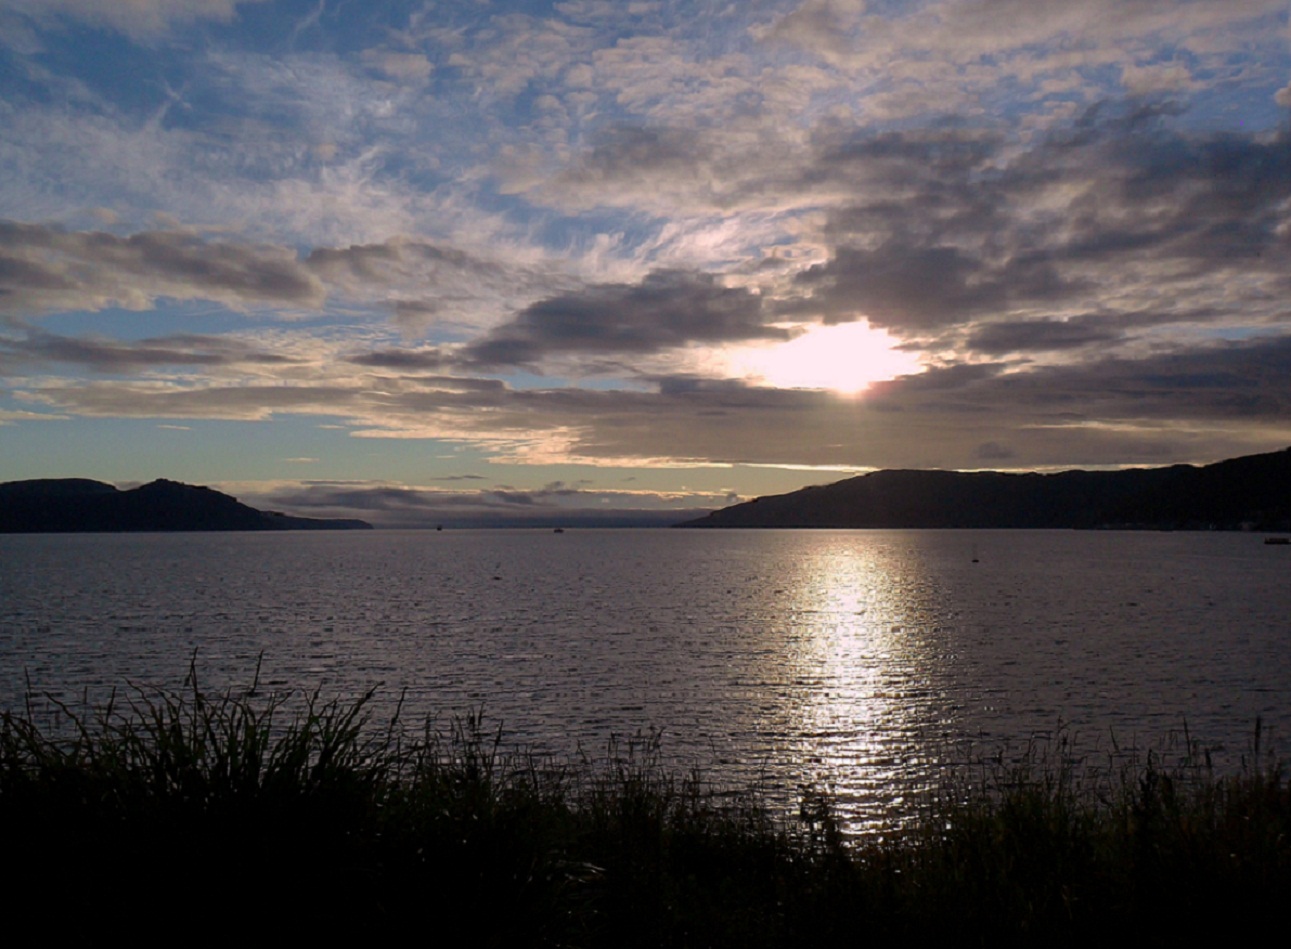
866 665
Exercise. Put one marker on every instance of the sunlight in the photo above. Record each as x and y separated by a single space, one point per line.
873 671
846 358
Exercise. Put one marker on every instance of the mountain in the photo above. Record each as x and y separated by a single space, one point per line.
1248 493
62 505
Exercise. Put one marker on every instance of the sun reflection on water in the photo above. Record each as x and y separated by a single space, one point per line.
865 663
875 719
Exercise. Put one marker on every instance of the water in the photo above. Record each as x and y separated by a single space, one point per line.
858 661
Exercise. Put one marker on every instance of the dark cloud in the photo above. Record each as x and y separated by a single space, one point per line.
1080 335
401 359
947 228
687 384
1236 381
941 378
912 288
44 267
1015 336
17 276
366 263
105 355
255 273
1211 200
666 310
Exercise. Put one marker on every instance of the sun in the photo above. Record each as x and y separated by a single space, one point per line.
846 358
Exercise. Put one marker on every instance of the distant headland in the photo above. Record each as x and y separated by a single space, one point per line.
1248 493
72 505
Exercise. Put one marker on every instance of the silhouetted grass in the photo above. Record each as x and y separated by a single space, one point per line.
196 816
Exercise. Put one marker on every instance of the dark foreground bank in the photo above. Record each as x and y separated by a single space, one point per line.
214 817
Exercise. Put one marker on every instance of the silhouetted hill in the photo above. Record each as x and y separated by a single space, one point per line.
1253 493
65 505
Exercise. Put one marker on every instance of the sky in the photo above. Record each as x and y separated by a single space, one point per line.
475 262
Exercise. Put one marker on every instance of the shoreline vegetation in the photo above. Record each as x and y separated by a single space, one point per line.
251 815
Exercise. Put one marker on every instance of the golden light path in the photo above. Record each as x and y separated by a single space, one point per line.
846 358
873 730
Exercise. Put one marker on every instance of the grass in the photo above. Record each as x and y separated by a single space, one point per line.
196 815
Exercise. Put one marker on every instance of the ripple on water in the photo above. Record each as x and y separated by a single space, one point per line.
865 662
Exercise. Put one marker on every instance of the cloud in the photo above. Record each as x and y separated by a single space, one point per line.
399 258
9 416
114 356
403 359
1218 399
403 67
513 52
668 309
1077 214
683 173
388 505
640 159
1120 213
1235 382
1156 78
307 148
910 288
854 35
45 268
138 19
425 283
1094 252
145 398
1001 338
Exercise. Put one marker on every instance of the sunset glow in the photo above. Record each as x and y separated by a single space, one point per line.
517 256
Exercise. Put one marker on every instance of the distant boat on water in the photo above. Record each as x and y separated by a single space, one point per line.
1279 541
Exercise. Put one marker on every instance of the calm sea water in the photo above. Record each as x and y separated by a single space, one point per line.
858 661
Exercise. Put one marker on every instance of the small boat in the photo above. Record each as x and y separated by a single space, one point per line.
1279 541
559 530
